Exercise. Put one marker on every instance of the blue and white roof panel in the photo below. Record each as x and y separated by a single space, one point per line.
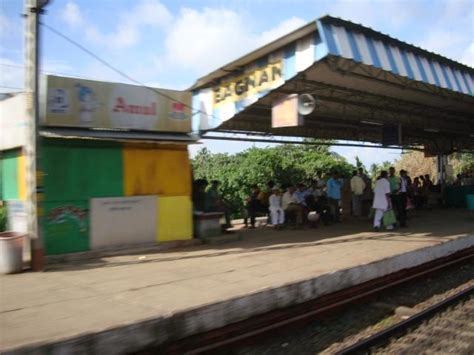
311 44
347 40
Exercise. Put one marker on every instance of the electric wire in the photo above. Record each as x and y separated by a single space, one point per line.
112 67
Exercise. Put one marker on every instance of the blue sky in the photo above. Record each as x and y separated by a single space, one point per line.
172 43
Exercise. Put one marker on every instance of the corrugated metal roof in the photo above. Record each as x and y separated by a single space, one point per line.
387 38
363 44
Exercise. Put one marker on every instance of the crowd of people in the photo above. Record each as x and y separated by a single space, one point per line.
326 198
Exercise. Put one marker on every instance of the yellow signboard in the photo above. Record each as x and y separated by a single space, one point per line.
252 82
93 104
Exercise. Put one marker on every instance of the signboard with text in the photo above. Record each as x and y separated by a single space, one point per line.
85 103
252 82
123 220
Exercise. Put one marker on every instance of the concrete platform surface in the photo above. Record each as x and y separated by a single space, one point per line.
122 303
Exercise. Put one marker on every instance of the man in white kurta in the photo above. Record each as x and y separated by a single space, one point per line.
277 213
381 199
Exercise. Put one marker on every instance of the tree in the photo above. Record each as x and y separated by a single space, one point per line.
415 163
462 162
283 164
376 169
359 163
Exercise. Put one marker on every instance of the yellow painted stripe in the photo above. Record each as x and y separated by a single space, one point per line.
174 221
155 171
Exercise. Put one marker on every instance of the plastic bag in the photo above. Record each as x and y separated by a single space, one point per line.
389 218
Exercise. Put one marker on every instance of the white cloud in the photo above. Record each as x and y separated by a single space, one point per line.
282 29
72 15
146 13
205 40
468 55
454 40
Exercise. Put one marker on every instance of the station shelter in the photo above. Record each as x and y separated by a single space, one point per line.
365 86
113 165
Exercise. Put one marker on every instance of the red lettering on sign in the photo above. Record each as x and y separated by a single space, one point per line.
122 106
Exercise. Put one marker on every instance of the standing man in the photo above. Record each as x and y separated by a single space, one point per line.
382 200
394 182
334 186
402 199
357 189
368 194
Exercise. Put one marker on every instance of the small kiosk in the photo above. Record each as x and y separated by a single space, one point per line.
114 165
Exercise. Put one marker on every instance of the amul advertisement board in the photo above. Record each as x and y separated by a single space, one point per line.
74 102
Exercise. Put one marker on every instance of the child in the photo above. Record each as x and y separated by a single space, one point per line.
276 211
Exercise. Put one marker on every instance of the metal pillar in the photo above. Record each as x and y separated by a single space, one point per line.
442 162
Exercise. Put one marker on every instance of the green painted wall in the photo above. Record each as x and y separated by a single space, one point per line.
9 175
75 172
66 227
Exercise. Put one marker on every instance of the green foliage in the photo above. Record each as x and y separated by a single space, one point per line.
376 169
283 164
359 163
464 162
3 218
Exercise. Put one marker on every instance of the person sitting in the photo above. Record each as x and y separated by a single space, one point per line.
300 194
320 184
199 196
291 206
277 214
313 208
254 206
216 204
264 195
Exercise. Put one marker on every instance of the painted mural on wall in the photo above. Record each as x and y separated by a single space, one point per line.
66 226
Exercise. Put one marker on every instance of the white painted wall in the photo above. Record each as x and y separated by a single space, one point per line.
122 220
13 122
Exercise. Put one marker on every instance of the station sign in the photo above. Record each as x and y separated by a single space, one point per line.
255 80
92 104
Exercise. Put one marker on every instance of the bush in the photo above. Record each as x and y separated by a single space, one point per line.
3 218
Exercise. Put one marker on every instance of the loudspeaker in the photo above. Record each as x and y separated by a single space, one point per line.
306 104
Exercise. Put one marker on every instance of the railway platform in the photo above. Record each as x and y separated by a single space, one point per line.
125 303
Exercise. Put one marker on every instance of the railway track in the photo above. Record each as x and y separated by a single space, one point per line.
226 339
444 328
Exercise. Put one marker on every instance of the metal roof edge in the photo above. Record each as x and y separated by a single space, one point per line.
117 135
255 54
386 37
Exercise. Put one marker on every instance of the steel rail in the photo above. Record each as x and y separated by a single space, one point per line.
230 335
401 327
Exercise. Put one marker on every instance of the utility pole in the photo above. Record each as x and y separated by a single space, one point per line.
33 8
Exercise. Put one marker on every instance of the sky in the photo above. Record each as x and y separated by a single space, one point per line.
172 43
